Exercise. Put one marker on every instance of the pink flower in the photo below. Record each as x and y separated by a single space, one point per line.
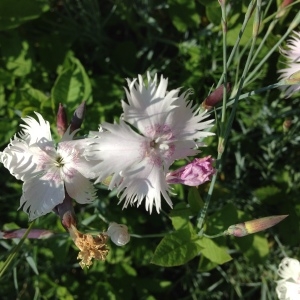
195 173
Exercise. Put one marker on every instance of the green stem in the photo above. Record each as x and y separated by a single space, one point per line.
14 251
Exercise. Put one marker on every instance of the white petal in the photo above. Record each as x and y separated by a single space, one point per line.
289 268
21 160
144 180
117 148
150 104
288 290
41 195
79 188
36 132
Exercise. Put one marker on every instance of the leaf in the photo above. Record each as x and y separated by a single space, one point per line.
180 216
255 247
177 248
222 219
72 85
32 264
16 54
213 252
183 14
195 200
13 13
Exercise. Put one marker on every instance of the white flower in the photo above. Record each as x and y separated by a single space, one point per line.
293 63
46 170
288 288
158 127
118 233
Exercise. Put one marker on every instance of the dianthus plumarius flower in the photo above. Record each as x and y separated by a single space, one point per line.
292 54
47 170
157 128
288 288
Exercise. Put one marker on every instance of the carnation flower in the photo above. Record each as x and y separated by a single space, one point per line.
47 170
288 288
292 53
157 128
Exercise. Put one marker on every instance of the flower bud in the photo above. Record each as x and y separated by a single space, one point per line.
118 233
19 233
286 125
195 173
61 120
78 117
253 226
215 97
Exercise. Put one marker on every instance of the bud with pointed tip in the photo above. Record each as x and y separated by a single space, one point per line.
253 226
61 120
78 116
19 233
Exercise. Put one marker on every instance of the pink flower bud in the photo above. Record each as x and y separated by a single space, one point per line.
61 120
253 226
78 117
19 233
195 173
215 97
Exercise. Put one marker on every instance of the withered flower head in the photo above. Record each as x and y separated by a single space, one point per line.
90 246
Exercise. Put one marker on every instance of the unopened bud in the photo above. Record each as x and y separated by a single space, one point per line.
19 233
78 117
61 120
195 173
118 234
215 97
286 125
253 226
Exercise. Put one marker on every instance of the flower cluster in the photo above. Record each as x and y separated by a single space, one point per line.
156 128
288 288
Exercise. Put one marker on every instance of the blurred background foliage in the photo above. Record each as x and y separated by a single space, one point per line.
67 51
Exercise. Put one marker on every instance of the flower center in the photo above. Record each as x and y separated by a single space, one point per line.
59 162
160 147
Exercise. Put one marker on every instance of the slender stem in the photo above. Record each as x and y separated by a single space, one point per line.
14 251
237 42
203 211
149 235
214 236
294 23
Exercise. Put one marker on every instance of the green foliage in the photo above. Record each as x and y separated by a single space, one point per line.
72 51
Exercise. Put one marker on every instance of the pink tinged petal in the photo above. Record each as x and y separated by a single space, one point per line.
144 180
193 174
78 187
41 195
36 131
